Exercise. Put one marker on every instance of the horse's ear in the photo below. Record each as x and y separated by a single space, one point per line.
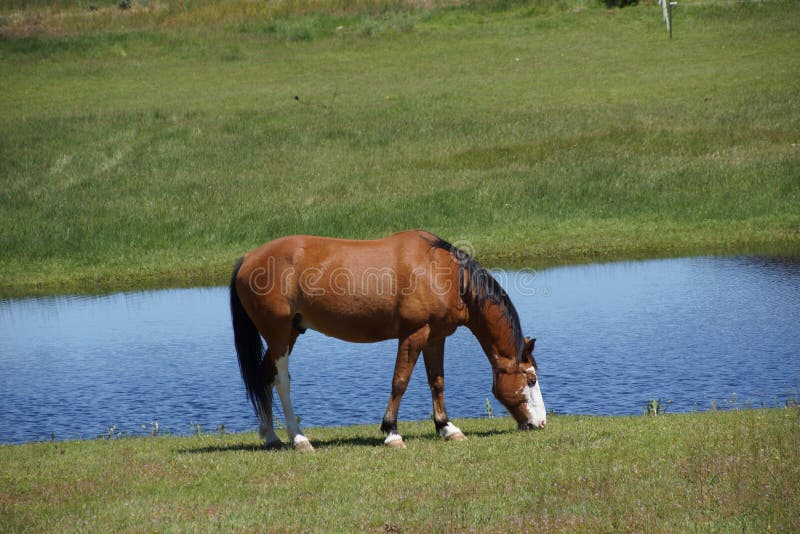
529 343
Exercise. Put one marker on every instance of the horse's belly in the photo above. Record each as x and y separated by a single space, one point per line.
356 328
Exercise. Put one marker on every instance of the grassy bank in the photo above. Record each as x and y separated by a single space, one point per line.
155 145
714 471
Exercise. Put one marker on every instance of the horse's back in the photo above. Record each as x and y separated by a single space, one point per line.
351 289
306 251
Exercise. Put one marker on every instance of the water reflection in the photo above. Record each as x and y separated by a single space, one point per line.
610 337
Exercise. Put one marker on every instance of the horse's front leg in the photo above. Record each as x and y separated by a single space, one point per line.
407 354
433 355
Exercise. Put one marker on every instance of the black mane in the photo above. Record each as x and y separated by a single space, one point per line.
477 286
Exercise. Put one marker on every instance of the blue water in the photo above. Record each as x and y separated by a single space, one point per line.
693 331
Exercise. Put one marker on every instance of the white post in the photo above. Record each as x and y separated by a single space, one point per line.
665 13
669 11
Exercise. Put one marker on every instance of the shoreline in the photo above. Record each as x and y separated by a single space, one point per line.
422 429
217 273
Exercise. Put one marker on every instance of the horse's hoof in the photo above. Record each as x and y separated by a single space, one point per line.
274 445
395 441
303 446
451 432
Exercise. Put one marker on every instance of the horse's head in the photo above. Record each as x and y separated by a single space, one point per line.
516 386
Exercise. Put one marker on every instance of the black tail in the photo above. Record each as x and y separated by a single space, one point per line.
249 349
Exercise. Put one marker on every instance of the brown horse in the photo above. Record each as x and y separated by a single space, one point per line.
412 286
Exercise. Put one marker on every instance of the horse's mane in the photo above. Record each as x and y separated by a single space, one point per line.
477 286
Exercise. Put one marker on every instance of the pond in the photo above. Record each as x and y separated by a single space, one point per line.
699 332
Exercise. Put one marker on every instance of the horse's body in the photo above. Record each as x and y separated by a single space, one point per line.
411 286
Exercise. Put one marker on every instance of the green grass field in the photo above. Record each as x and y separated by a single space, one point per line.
154 146
736 471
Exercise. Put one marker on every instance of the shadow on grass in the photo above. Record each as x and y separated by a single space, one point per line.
249 447
359 441
489 433
354 441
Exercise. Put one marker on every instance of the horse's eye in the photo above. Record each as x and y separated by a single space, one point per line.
531 377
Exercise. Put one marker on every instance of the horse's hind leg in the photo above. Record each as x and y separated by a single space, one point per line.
407 354
433 355
280 347
266 428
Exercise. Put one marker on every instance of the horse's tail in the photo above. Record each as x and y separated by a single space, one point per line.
249 349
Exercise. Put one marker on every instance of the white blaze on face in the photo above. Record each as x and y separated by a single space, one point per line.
535 403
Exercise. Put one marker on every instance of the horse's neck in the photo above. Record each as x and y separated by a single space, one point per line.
494 332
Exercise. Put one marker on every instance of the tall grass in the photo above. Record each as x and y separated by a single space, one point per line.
157 155
36 18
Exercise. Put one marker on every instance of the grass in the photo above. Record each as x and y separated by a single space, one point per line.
711 472
154 146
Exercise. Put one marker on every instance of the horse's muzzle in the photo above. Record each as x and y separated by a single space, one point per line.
531 426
